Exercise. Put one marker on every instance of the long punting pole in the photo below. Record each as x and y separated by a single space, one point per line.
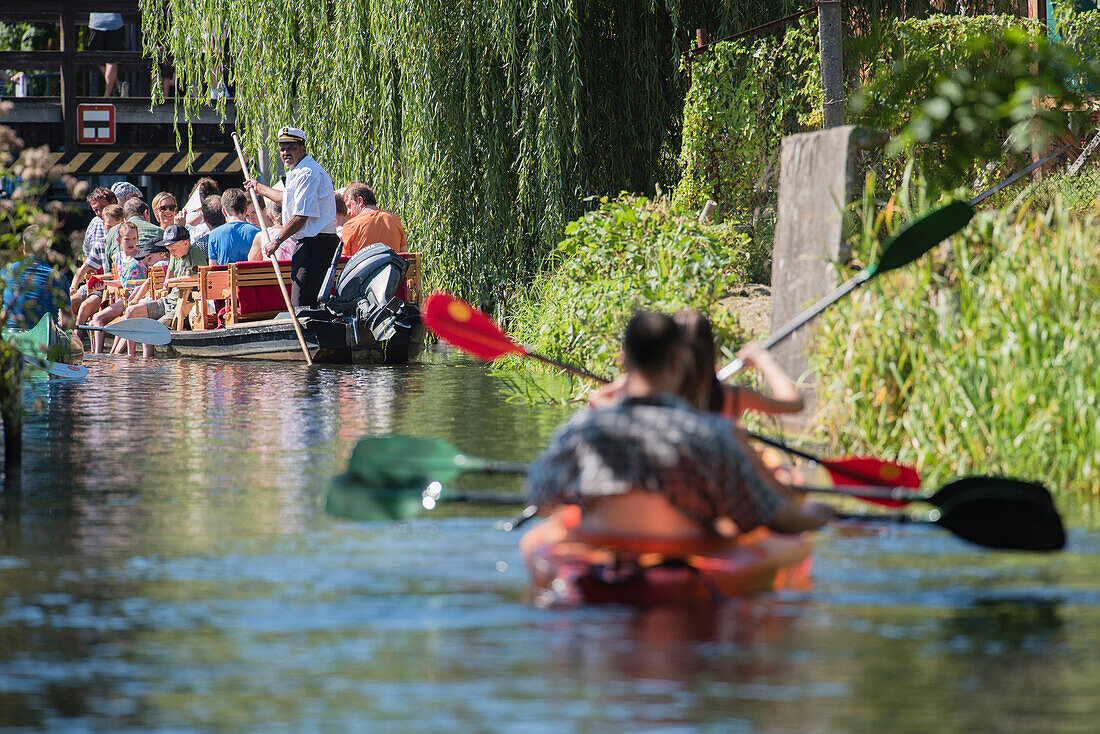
267 241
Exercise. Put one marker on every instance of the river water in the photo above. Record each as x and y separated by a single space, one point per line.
168 566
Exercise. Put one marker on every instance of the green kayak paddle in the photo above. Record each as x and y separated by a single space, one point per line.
403 461
907 246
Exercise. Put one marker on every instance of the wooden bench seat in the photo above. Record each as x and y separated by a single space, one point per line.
250 290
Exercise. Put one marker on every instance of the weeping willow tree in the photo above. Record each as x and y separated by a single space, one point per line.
483 123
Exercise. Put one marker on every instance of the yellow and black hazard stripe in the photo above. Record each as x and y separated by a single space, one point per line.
139 163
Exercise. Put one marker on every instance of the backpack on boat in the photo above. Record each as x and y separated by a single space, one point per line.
366 288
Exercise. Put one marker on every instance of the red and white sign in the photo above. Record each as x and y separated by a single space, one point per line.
95 124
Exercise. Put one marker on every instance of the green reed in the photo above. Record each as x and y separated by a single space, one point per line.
980 358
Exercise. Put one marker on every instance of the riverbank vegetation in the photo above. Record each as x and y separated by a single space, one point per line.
52 234
503 136
976 359
630 253
980 358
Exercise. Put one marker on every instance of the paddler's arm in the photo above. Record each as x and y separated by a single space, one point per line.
793 515
609 393
785 397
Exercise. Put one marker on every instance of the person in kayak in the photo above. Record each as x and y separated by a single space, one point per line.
650 465
705 391
701 385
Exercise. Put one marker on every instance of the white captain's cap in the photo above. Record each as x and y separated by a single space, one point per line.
291 135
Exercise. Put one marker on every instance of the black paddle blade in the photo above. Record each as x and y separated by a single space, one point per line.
922 235
1004 514
1015 488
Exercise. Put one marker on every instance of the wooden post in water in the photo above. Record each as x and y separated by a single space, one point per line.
830 32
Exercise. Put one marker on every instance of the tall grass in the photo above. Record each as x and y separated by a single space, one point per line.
981 358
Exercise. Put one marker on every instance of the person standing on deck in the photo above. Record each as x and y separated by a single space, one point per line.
309 215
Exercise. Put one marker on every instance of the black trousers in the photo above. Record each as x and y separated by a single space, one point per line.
311 261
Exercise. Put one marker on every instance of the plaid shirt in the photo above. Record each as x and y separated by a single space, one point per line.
656 444
94 241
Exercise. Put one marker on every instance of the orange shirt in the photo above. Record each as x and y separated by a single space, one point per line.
370 226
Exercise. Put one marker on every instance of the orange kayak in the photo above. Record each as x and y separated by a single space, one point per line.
569 567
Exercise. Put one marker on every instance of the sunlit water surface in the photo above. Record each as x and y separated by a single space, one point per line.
168 566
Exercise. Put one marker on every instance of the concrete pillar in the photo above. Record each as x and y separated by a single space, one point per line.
830 33
815 185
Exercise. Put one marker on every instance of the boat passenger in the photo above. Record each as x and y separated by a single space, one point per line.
286 250
704 390
132 274
95 239
138 212
192 214
33 289
231 242
651 466
113 216
212 218
151 256
309 208
184 263
367 224
165 208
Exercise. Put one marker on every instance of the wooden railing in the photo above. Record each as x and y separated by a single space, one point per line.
66 13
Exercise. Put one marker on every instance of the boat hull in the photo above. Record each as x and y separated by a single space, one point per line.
569 569
47 341
327 341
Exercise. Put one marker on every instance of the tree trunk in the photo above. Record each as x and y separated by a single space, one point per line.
11 407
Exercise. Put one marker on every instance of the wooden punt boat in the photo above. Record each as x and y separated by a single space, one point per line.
328 340
375 319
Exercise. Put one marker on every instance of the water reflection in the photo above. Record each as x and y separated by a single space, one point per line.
166 565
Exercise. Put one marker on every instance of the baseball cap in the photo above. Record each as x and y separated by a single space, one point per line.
150 249
125 190
291 135
174 233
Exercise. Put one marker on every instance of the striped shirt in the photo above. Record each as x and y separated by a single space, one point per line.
95 239
656 444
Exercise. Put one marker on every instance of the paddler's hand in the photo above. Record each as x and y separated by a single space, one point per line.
754 354
271 247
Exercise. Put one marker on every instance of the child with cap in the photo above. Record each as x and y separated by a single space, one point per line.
184 263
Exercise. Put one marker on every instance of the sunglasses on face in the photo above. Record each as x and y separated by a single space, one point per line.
167 207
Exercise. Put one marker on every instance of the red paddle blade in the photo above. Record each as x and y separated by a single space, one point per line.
463 326
865 470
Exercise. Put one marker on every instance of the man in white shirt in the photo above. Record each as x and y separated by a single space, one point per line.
309 216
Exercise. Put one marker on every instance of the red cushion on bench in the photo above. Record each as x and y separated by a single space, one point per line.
253 299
